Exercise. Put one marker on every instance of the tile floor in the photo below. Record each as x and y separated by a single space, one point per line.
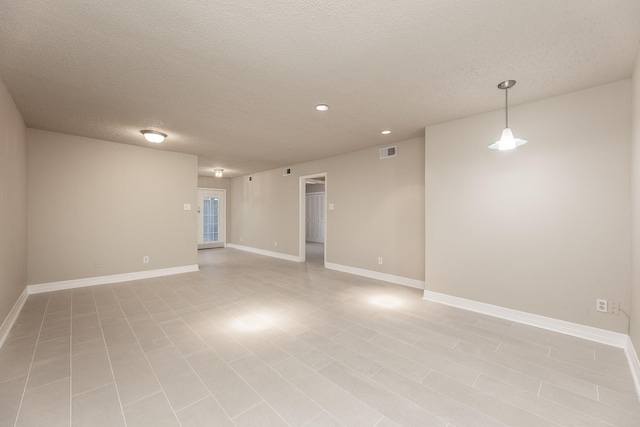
254 341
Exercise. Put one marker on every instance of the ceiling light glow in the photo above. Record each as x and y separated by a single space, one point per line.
385 132
218 173
386 301
322 107
153 136
253 322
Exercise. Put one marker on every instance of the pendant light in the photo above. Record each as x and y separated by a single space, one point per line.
507 140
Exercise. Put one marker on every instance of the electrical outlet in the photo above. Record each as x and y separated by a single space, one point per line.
145 260
601 305
380 260
614 307
98 265
275 244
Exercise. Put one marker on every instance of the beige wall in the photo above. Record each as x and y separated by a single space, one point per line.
635 212
212 182
379 210
542 229
98 202
13 204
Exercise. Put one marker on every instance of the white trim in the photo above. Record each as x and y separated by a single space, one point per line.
400 280
590 333
13 316
264 252
634 363
602 336
211 245
115 278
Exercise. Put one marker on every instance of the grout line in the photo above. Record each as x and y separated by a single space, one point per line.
194 403
35 349
249 297
71 357
251 407
146 396
379 421
324 411
376 372
106 349
177 349
94 389
425 376
473 385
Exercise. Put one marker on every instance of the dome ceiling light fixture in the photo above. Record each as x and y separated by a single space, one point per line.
153 136
322 107
218 173
507 140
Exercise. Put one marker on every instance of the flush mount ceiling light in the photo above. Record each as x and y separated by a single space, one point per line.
385 132
507 140
153 136
322 107
218 173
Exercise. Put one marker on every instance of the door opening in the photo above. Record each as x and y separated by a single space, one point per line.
313 214
211 218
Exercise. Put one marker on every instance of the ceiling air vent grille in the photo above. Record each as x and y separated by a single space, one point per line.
387 152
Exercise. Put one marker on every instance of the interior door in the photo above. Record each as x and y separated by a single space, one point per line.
315 217
211 218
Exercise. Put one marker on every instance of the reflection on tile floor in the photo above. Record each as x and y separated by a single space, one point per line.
255 341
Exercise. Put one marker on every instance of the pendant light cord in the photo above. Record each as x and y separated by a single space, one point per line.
506 106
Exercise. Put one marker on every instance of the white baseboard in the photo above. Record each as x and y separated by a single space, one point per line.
264 252
13 316
634 363
590 333
400 280
114 278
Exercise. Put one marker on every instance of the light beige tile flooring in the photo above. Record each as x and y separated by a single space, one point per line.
254 341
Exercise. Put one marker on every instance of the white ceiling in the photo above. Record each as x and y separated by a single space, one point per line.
235 82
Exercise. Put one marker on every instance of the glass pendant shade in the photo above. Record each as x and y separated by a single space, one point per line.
507 141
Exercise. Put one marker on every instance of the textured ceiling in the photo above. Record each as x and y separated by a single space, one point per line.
235 82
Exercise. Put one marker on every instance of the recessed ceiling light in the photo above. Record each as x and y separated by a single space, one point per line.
153 136
322 107
385 132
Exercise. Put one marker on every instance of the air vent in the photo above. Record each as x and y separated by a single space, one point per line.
286 171
387 152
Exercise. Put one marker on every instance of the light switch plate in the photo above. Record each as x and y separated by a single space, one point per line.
187 206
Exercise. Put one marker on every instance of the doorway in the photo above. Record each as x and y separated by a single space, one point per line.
313 214
211 218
